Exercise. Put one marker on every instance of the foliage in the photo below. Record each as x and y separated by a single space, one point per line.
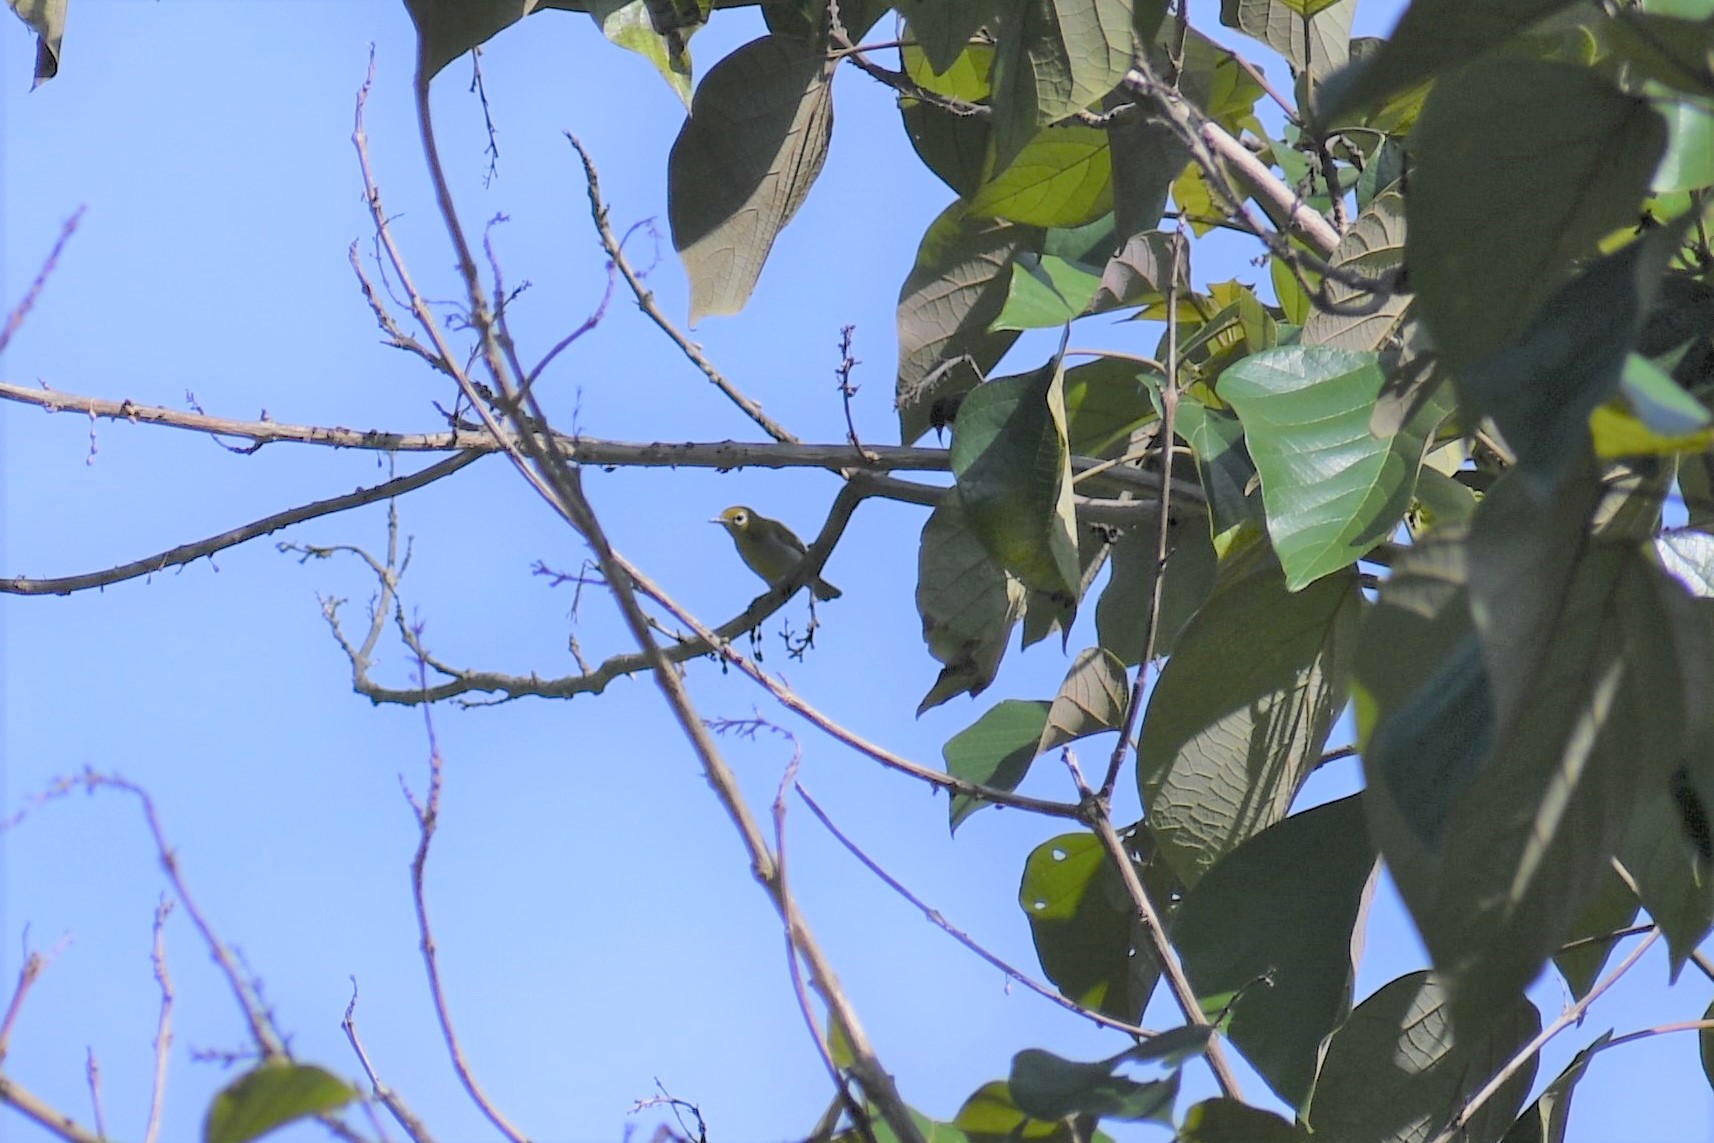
1429 479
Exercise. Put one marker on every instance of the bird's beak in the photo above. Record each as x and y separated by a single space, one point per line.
715 520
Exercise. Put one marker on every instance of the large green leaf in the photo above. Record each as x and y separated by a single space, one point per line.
1394 1070
1062 177
1242 710
1266 937
1333 489
996 750
1106 401
1516 139
1610 908
1373 247
1013 467
1507 755
1086 932
742 164
269 1096
1313 35
1431 37
955 290
1055 57
967 602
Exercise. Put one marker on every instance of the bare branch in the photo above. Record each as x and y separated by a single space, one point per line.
934 917
31 1106
188 553
15 319
163 1023
387 1097
646 302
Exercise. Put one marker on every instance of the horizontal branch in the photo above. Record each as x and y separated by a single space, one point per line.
721 455
200 549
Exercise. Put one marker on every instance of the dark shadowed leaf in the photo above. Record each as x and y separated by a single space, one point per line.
1393 1069
944 27
1544 1121
1268 932
1241 712
1232 1121
1013 467
1090 700
1055 57
955 290
743 163
1122 613
1556 144
1049 1087
1431 37
1313 35
967 602
1373 247
1588 945
46 18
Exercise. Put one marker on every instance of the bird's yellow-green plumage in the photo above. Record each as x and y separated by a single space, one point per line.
769 548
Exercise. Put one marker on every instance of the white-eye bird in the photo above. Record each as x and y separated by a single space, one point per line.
769 548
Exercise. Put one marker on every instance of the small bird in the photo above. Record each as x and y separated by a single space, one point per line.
769 548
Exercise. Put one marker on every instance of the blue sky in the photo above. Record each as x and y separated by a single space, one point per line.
597 923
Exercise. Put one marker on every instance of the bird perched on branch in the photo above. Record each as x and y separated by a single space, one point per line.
769 548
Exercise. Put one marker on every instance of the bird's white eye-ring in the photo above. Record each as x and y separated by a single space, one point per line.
739 518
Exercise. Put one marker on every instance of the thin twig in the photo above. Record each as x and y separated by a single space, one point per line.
163 1022
385 1095
15 319
934 917
646 302
92 1073
1163 527
57 1123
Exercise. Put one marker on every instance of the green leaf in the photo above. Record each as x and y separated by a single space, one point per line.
270 1096
1541 388
954 147
1333 490
1313 35
1658 401
1373 247
1705 1042
1139 273
967 602
1545 1120
1676 49
992 1113
1013 467
1045 292
1240 714
1106 401
1048 1087
1611 907
996 750
944 27
743 163
1146 156
954 292
1393 1070
1268 931
1055 57
627 23
1122 613
1504 767
1689 160
1672 882
1433 36
1227 474
1515 138
1090 700
1061 177
46 18
1226 1120
1085 927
